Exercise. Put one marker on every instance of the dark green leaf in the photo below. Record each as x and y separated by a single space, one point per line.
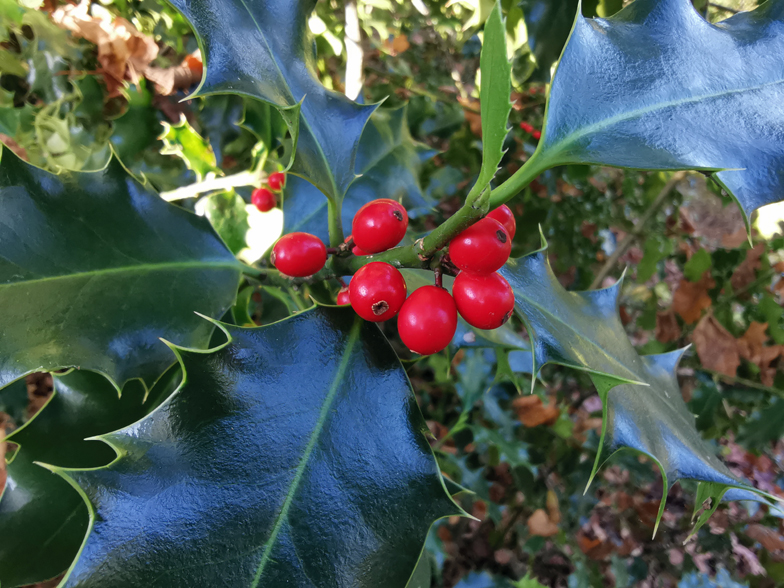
629 92
548 23
94 269
263 49
295 455
388 163
646 412
42 517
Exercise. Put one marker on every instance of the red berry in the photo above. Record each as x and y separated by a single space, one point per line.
377 291
276 181
355 250
482 248
526 127
343 297
537 135
503 214
263 199
428 320
299 255
379 225
484 301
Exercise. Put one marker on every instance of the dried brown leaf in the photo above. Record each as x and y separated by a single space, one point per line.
716 347
691 298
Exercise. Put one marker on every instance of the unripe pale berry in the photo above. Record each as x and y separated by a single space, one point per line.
299 255
276 181
503 214
377 291
379 225
263 199
482 248
428 320
485 301
343 297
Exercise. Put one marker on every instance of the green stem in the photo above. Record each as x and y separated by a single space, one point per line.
335 223
519 180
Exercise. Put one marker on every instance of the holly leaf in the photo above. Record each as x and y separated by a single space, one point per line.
330 483
227 214
494 93
94 269
388 162
263 49
548 23
43 514
13 401
629 93
182 140
643 408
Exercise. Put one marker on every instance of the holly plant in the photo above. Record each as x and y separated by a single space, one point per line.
220 421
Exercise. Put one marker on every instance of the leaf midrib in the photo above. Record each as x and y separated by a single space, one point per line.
556 148
142 268
314 437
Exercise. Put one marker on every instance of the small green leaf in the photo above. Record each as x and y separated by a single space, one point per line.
263 49
94 269
182 140
45 517
698 264
294 455
629 93
494 98
227 214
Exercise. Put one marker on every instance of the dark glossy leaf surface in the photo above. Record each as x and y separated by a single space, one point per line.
646 412
42 518
295 455
389 162
94 269
658 87
548 23
13 401
263 49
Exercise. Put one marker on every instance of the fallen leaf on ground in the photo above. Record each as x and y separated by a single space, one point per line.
667 328
532 412
716 347
691 298
540 525
746 272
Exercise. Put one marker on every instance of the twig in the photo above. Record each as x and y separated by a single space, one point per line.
354 53
627 242
743 382
246 178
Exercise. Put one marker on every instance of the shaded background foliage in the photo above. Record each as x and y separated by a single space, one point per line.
693 277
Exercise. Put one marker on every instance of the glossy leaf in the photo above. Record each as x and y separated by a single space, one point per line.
42 517
388 163
263 49
495 105
94 269
295 455
646 412
548 23
629 92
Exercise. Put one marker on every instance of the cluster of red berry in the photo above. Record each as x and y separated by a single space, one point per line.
531 130
427 319
264 198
